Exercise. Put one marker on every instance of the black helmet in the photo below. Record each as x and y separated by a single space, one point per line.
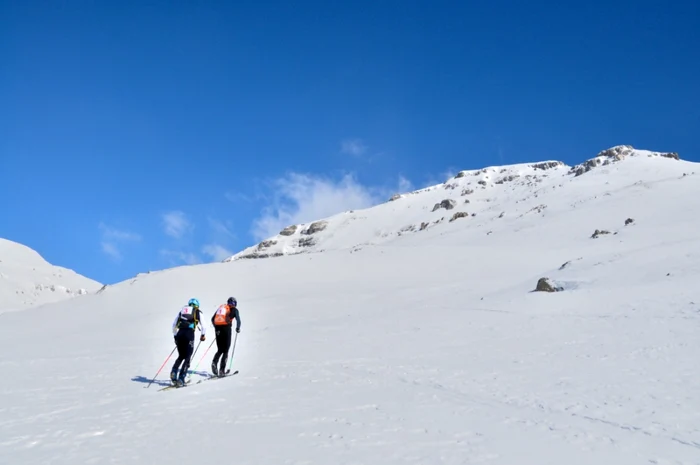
232 301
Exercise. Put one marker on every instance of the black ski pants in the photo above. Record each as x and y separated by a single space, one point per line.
185 347
223 342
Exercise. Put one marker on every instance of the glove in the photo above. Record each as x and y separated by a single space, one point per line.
238 330
202 338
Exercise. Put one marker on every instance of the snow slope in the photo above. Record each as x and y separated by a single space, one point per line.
27 280
431 349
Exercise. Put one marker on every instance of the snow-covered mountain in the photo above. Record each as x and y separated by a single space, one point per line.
480 200
27 280
432 347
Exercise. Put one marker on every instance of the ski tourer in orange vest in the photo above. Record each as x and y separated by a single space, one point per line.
222 321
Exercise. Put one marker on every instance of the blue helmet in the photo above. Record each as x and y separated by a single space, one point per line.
193 303
232 301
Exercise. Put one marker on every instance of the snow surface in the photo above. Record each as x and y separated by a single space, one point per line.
27 280
431 349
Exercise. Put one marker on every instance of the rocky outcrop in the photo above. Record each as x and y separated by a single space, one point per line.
547 165
629 221
546 285
266 244
315 227
395 197
459 215
508 178
447 204
599 232
613 155
289 230
255 255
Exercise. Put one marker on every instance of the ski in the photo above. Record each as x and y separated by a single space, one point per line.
217 377
187 383
175 386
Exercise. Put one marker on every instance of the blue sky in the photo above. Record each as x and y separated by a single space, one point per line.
136 136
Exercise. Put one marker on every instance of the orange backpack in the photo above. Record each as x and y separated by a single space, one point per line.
221 317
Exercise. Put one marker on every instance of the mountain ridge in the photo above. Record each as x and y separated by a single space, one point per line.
466 195
28 280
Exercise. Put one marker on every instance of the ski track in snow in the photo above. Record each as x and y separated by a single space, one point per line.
431 349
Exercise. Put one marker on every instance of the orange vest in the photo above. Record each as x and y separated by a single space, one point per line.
221 317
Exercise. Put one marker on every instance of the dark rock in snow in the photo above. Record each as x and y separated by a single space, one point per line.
315 227
289 230
459 215
447 204
545 285
266 244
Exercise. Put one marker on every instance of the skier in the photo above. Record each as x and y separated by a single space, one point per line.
188 318
222 320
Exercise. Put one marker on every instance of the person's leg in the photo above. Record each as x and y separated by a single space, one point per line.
225 344
181 350
219 351
188 349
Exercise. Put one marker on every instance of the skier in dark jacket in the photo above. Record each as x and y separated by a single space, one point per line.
184 330
222 320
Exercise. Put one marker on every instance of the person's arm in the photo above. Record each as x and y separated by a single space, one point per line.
202 328
177 319
237 316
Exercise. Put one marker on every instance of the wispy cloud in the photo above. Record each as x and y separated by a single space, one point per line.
405 185
216 251
111 238
111 250
176 224
354 147
300 198
221 228
178 257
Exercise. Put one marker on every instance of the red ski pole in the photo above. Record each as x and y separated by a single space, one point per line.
161 367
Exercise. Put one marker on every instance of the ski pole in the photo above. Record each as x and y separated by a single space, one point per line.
200 360
204 355
196 349
230 363
161 367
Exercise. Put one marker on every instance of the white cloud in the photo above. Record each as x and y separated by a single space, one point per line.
111 250
216 252
221 228
176 224
300 198
353 147
111 237
405 185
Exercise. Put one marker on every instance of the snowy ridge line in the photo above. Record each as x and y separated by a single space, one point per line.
27 280
523 189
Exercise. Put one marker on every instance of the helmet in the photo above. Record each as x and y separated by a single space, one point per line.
193 303
232 301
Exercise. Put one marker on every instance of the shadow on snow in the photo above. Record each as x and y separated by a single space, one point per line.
166 382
